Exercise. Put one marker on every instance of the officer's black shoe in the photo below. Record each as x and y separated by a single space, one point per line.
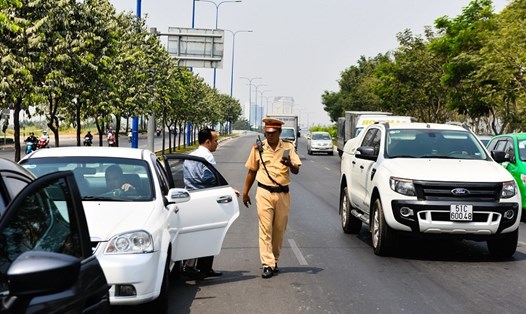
212 273
191 271
276 269
267 272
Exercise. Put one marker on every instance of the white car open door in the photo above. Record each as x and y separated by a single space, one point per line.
203 220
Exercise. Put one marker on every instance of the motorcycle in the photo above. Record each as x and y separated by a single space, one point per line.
111 140
158 131
87 141
42 143
30 147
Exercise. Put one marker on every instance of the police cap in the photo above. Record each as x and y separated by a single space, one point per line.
272 124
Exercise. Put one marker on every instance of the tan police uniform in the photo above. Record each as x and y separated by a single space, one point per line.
272 201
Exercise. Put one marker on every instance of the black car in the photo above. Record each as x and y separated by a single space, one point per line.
46 260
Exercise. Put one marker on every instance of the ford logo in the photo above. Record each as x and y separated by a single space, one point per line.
460 191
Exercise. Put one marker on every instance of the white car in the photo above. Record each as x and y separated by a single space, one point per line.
320 142
139 235
427 180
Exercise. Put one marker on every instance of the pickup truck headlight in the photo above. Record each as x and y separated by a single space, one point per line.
130 243
509 189
402 186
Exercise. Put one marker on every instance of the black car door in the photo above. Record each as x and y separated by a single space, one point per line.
46 260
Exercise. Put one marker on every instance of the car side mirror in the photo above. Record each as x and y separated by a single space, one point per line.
499 156
37 273
178 195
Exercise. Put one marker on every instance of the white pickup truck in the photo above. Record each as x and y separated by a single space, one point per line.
427 179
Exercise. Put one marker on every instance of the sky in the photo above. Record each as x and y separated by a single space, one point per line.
297 48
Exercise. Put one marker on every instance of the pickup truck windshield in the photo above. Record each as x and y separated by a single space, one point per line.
418 143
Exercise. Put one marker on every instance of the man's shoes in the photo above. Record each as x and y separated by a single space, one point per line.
191 271
267 272
212 273
276 269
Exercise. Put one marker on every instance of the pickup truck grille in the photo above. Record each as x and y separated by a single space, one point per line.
458 191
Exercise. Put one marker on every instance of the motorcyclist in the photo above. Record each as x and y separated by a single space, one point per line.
31 141
88 139
111 138
31 138
44 138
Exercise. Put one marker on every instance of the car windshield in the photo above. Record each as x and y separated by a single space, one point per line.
419 143
321 136
97 179
522 150
287 133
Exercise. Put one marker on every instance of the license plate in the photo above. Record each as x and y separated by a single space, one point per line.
461 212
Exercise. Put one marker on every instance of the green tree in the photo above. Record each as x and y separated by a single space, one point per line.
410 83
502 73
459 45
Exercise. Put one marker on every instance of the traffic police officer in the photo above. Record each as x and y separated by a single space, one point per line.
269 163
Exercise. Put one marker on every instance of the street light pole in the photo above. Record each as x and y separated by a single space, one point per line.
250 96
268 97
256 120
135 119
217 5
261 103
233 51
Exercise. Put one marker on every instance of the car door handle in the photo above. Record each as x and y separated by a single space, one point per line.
224 199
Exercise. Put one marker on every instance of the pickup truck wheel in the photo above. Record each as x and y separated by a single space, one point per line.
504 247
385 239
350 224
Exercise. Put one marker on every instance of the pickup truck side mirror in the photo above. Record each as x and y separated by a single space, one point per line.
499 156
366 152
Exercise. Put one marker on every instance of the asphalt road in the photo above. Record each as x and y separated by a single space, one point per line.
324 270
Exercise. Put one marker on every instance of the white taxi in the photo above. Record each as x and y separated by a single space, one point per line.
144 226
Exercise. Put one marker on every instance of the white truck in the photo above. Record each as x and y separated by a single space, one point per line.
290 131
427 180
350 125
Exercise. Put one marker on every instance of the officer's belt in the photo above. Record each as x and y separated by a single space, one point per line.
275 189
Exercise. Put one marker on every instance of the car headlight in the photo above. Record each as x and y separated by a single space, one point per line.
523 178
130 243
509 189
402 186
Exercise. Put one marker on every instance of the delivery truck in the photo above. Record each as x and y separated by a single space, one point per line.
353 123
290 130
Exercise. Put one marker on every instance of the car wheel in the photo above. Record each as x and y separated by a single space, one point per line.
160 305
350 224
385 239
504 247
309 151
331 153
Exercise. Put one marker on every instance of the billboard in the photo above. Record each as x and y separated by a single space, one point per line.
195 47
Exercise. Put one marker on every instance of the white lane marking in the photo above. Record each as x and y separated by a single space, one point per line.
297 252
328 169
